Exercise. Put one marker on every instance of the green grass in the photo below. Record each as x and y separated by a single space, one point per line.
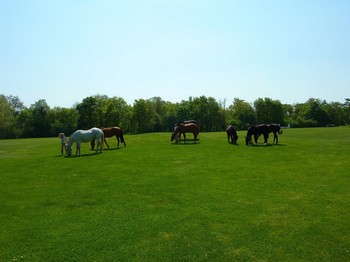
157 201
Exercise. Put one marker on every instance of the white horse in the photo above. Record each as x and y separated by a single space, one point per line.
79 136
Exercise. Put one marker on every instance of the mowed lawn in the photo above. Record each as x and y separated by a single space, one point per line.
157 201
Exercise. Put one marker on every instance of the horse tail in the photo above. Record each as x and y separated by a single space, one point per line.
122 136
280 131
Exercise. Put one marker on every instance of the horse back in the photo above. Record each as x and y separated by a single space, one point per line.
186 128
230 129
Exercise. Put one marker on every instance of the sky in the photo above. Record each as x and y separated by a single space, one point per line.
64 51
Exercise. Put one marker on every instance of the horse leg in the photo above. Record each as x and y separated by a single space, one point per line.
98 145
77 148
106 142
256 138
266 136
117 141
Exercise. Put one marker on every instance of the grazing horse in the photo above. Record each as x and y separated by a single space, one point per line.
85 136
257 131
183 129
275 129
185 122
231 134
110 132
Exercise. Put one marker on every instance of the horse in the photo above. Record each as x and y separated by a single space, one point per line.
185 122
275 129
257 130
110 132
80 136
183 129
231 134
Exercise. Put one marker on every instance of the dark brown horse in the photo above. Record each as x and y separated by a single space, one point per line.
183 129
110 132
256 131
231 134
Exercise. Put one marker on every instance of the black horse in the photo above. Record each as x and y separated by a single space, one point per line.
231 134
256 131
275 129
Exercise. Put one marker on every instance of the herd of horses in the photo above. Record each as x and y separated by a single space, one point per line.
94 136
98 136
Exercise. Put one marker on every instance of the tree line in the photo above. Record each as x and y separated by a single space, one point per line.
157 115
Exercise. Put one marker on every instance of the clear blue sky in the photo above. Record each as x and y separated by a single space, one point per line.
63 51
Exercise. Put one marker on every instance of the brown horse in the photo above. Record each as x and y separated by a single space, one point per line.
110 132
185 122
183 129
231 134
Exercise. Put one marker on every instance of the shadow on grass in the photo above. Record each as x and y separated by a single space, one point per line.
233 144
268 145
111 149
188 142
83 155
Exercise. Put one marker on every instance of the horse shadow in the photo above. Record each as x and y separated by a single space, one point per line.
110 149
83 155
261 145
188 142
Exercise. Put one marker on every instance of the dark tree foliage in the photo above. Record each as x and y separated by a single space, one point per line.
87 113
40 119
157 115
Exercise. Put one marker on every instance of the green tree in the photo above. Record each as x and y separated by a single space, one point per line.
40 119
241 114
63 120
24 123
184 110
315 111
87 113
7 119
116 113
208 112
347 110
335 113
142 118
268 111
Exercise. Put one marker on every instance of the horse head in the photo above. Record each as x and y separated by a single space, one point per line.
68 150
235 138
175 134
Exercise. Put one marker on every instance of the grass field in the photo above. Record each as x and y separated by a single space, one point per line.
157 201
